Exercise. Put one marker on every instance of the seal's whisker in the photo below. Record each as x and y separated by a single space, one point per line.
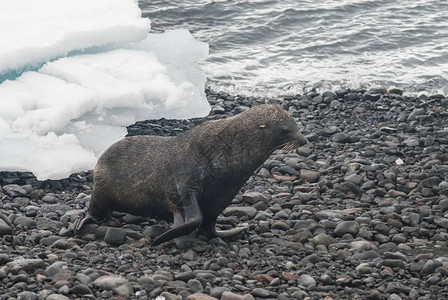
289 146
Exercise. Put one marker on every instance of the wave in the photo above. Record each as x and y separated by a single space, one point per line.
272 47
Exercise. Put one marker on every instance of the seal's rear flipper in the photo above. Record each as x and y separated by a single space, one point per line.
187 216
178 231
225 234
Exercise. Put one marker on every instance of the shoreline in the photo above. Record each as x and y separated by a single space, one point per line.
367 218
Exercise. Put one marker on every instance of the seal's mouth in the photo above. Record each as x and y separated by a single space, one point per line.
299 140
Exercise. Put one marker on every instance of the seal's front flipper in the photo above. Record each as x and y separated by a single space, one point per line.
187 216
87 219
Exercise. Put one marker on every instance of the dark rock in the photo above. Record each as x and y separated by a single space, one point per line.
5 229
153 231
341 137
245 211
351 227
430 266
55 268
115 236
309 175
81 289
25 221
396 287
27 265
14 190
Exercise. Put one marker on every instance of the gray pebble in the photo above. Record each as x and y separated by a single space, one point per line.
25 221
394 263
306 280
323 239
394 297
195 285
254 197
263 293
5 229
27 295
344 227
170 296
55 268
117 284
81 289
115 236
280 226
367 255
245 211
82 278
153 231
416 112
27 265
341 137
57 297
218 291
430 266
14 190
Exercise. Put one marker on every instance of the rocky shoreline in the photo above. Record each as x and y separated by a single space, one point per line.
359 213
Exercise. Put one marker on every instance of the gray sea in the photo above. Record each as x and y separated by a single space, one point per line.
264 47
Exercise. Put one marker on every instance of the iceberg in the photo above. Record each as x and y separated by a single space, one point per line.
100 71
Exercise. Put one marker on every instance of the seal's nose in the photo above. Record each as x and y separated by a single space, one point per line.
301 139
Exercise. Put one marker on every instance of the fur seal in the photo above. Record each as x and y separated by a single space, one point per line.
190 178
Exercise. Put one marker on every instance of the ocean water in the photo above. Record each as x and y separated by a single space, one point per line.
265 47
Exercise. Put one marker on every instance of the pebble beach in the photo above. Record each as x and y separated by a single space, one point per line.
361 212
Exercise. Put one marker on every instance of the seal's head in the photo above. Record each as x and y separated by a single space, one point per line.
278 127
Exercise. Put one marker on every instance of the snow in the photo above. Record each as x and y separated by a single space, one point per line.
57 119
37 31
